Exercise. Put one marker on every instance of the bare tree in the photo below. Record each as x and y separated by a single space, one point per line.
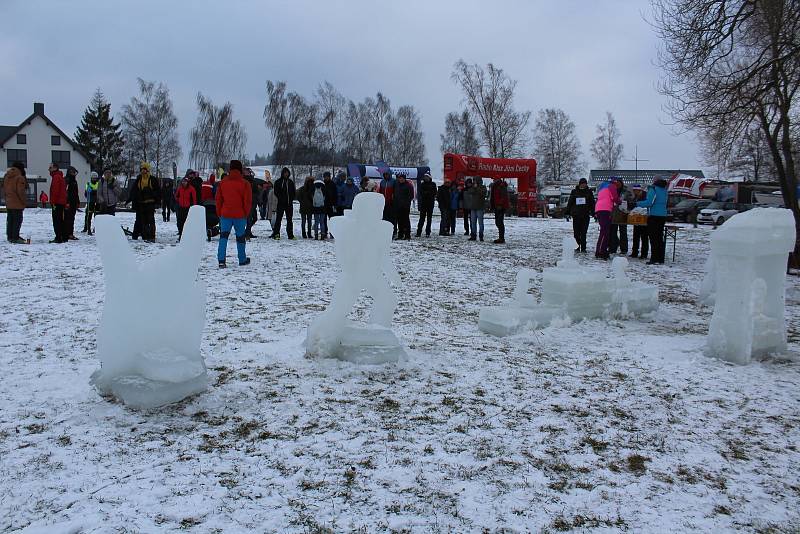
606 148
293 124
736 63
556 146
407 144
216 137
459 135
358 135
331 109
489 95
150 126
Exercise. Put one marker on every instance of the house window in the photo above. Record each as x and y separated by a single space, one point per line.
22 139
17 155
55 140
61 158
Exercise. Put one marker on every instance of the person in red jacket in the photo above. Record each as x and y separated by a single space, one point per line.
234 202
498 201
43 199
58 199
185 197
207 190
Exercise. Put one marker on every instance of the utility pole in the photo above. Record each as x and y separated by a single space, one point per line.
636 160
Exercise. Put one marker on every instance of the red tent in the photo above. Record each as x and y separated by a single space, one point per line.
458 166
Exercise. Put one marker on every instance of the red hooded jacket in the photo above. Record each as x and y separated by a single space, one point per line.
186 196
58 189
234 196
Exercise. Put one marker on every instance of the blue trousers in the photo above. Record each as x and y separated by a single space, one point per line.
476 219
225 225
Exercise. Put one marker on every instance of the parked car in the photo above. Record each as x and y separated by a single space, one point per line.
718 212
683 209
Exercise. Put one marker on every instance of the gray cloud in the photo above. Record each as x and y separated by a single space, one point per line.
584 57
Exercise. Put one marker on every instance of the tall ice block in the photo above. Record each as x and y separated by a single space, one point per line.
747 274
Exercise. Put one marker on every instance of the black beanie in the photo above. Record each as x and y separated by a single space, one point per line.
20 166
236 164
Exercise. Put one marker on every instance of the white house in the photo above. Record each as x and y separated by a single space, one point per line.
37 142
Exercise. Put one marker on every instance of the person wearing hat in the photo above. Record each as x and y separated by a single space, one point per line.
108 193
234 201
58 201
443 199
426 200
607 199
347 194
43 199
656 204
580 207
145 196
73 203
15 190
91 201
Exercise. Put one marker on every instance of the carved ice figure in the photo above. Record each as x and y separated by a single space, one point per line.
149 337
362 246
746 281
572 292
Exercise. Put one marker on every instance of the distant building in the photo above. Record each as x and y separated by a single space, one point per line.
37 142
641 176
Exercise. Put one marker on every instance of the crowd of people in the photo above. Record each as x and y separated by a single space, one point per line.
610 210
235 202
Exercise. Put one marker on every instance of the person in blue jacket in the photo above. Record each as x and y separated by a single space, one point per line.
455 201
340 182
347 193
656 204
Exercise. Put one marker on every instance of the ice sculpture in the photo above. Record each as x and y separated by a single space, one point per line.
149 337
746 280
572 292
362 248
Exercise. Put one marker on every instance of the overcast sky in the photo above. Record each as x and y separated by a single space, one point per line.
583 56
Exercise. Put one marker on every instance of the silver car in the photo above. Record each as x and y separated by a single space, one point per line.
717 213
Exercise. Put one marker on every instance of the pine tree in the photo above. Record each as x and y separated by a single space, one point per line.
99 137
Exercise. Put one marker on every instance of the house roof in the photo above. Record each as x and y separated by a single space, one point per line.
7 132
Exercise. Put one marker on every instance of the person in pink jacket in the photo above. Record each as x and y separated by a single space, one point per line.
607 199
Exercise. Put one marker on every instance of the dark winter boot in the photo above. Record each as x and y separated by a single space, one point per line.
222 264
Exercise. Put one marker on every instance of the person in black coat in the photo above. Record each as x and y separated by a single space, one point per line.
145 197
331 195
73 202
443 199
426 198
284 196
581 207
401 202
252 217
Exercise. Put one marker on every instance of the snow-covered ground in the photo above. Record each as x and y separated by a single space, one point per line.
608 426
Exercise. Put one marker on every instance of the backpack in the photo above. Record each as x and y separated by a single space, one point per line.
319 198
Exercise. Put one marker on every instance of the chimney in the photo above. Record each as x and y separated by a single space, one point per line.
38 107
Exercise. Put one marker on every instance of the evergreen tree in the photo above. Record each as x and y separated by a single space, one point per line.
99 137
